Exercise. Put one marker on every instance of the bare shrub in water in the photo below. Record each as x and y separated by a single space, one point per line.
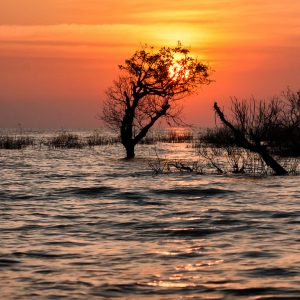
166 166
65 140
15 142
96 139
236 160
223 160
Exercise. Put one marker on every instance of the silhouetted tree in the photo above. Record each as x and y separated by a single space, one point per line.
260 126
149 87
248 137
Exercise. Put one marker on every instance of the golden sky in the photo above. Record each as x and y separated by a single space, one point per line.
57 57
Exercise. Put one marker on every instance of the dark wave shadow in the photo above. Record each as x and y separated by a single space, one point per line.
192 191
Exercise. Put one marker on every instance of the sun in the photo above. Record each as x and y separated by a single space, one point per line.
178 72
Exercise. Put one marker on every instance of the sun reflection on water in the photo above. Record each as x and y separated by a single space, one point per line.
198 266
171 284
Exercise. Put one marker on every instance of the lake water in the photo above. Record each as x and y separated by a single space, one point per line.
84 224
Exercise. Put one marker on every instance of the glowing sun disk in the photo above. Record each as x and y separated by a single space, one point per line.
177 71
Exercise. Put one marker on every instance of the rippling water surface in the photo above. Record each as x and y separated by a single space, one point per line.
84 224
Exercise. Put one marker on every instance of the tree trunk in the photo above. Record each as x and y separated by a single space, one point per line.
126 130
129 150
271 162
127 133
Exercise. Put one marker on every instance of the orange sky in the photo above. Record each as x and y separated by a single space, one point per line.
58 56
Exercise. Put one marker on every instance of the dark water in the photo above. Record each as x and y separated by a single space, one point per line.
83 224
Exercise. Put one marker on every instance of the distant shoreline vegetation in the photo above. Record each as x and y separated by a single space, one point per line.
71 140
215 150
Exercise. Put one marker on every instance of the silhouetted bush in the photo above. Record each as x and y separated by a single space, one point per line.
220 137
64 140
170 136
96 139
178 137
15 142
284 141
